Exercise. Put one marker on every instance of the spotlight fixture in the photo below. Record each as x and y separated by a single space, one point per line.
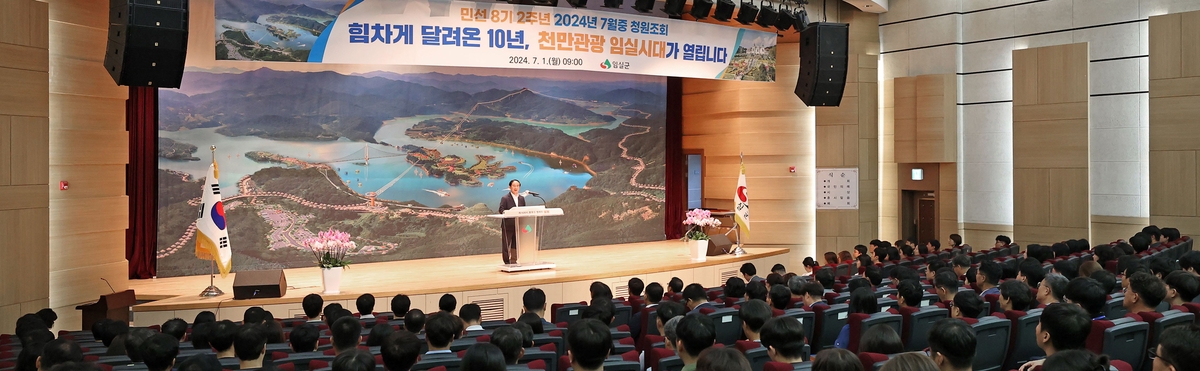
801 19
644 6
767 15
578 3
674 8
724 10
612 3
701 8
747 12
787 18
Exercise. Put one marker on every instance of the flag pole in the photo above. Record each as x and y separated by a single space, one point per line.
212 289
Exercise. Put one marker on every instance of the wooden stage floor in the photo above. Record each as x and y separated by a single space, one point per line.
442 275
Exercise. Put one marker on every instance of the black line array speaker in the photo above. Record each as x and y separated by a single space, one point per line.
823 48
147 42
259 284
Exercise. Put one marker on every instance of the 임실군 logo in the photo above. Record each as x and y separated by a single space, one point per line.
606 65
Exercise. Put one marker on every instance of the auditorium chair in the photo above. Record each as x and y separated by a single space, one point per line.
728 323
622 315
929 299
1160 322
991 343
451 364
568 313
780 366
873 361
621 366
1115 307
672 363
807 319
757 354
541 340
1121 338
655 355
917 325
1023 343
841 298
829 322
887 303
842 270
860 322
887 269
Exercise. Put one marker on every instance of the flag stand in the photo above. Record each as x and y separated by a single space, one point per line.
212 289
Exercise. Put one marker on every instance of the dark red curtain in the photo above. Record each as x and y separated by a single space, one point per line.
676 206
141 181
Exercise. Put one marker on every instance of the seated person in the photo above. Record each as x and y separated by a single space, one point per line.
1031 272
532 321
1087 293
861 301
511 344
60 351
696 298
414 321
988 277
589 343
401 304
366 307
1015 295
695 333
377 334
780 297
250 346
221 339
1144 294
440 330
1182 287
447 303
175 327
312 307
346 334
754 314
835 359
966 305
1179 349
880 339
946 284
400 351
472 317
909 294
814 295
304 338
784 339
1062 327
756 290
354 360
952 344
1052 289
159 352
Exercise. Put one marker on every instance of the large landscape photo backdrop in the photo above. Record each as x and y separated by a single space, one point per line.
407 162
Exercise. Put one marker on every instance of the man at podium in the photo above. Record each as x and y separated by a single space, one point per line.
508 227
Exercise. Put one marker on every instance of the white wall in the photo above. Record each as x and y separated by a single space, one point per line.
975 39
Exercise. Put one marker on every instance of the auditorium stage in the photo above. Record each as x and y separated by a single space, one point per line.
470 278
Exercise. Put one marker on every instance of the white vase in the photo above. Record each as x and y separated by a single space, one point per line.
331 279
699 250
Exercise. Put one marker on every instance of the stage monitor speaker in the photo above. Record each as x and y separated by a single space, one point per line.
823 48
259 284
147 42
718 244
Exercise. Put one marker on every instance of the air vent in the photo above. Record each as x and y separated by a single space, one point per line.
621 291
492 309
730 273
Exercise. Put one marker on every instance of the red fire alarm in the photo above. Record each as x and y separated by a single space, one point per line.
791 169
62 186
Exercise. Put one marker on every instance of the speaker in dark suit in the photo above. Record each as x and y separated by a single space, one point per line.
508 226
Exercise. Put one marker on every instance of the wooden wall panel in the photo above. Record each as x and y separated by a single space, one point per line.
24 143
1174 106
924 125
769 125
88 147
1051 187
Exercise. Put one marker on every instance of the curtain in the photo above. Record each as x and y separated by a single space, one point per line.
141 181
676 206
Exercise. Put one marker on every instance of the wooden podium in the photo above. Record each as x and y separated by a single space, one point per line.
528 220
112 306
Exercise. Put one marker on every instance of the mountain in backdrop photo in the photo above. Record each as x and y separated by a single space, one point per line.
409 164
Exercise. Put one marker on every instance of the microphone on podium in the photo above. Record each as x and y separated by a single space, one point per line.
534 194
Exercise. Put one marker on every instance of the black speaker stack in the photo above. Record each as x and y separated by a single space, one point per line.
823 48
147 42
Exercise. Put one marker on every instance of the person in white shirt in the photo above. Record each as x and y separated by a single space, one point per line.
471 316
366 306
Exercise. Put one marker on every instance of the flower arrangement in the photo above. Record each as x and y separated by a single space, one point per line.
330 248
697 219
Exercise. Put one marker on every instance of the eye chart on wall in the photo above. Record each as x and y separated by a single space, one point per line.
837 189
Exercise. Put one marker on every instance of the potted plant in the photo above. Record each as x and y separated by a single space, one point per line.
330 249
697 220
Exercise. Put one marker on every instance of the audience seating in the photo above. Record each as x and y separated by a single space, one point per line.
860 322
728 324
991 343
568 313
807 319
872 361
1023 344
829 322
1120 338
917 324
